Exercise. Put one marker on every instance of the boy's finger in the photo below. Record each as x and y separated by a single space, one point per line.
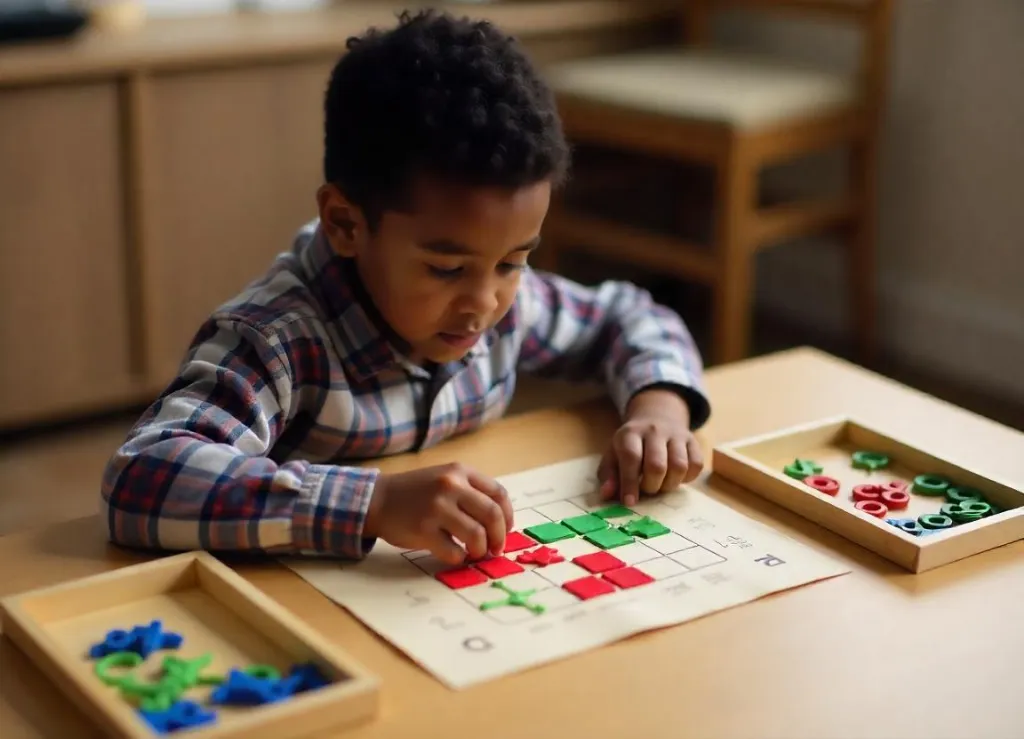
655 464
466 530
489 514
445 549
496 492
695 459
630 456
607 475
678 464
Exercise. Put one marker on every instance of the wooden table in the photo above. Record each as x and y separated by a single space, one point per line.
876 653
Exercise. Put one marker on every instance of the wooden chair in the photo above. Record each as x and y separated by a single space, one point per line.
736 114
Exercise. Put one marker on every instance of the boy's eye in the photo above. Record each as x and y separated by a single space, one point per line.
442 272
448 273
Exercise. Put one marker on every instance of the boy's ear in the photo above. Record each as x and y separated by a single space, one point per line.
341 220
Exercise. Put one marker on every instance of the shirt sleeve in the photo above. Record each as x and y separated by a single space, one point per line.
614 333
196 471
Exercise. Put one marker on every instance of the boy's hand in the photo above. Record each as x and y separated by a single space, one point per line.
654 451
425 509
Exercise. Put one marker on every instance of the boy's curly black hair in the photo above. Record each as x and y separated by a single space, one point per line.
450 98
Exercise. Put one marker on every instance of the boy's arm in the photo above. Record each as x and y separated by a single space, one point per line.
194 472
614 333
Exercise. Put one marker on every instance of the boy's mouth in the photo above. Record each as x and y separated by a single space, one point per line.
461 340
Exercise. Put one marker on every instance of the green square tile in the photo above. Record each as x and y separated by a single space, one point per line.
645 527
608 538
546 533
613 511
585 524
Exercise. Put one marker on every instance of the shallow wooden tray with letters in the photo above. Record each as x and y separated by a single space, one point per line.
772 465
194 614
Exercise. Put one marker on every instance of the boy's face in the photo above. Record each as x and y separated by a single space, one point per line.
447 270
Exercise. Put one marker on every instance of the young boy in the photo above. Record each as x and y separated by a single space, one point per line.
399 319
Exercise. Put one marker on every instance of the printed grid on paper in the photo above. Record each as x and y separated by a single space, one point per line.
661 557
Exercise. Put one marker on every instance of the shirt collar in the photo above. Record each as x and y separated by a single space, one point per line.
369 345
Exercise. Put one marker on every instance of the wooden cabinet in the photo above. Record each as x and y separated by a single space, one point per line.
233 160
147 176
64 314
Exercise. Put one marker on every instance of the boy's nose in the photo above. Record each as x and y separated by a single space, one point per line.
482 302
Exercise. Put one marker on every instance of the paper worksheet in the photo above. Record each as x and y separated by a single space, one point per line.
578 573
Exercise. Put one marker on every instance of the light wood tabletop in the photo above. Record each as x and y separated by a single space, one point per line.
878 653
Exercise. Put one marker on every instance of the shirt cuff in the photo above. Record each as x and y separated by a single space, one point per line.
664 377
329 515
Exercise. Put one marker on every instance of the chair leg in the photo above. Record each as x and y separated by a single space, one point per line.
862 247
735 200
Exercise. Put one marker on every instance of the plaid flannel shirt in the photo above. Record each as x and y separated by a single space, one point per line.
286 388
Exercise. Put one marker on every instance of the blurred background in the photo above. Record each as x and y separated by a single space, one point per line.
844 174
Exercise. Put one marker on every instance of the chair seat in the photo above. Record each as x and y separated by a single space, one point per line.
728 88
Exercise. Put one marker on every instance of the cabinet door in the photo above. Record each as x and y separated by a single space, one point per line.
235 163
64 326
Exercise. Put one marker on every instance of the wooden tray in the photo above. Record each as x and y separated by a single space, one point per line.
216 611
758 464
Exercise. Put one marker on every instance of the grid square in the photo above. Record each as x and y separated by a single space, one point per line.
599 562
669 543
635 553
527 517
627 577
561 572
570 548
515 541
661 568
461 577
546 533
487 593
498 567
585 524
588 587
609 538
482 593
553 598
525 581
615 510
430 564
558 510
696 558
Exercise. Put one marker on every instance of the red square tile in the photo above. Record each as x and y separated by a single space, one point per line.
499 567
628 577
461 577
599 562
514 541
589 587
